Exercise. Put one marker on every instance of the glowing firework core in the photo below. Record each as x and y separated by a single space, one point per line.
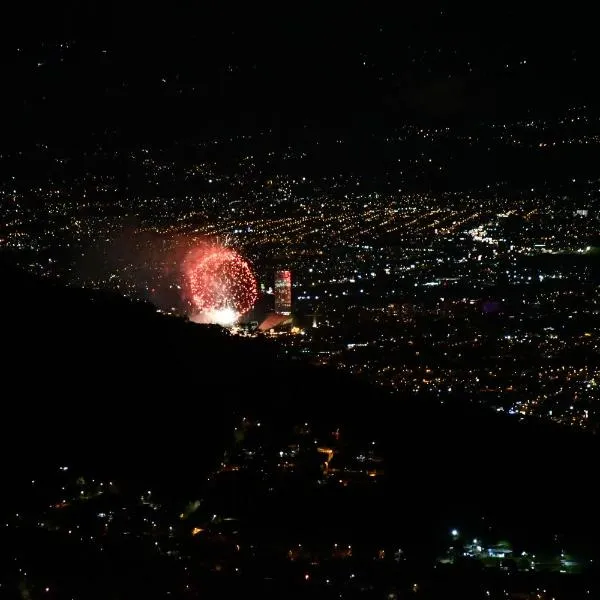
221 286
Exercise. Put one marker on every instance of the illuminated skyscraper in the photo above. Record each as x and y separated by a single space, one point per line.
283 292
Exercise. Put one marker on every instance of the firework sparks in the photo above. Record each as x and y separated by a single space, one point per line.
220 284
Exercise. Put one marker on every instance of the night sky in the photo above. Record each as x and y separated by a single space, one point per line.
155 70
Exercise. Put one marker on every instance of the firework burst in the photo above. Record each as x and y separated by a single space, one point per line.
220 284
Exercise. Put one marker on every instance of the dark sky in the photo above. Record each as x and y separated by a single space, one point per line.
148 67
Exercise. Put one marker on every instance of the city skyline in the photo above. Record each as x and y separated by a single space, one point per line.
299 302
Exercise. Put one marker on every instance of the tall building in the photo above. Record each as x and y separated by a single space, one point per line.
283 292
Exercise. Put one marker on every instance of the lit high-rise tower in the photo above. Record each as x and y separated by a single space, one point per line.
283 292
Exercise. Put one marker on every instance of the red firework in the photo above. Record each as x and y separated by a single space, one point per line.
219 279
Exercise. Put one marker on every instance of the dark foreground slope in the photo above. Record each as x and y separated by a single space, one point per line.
92 379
